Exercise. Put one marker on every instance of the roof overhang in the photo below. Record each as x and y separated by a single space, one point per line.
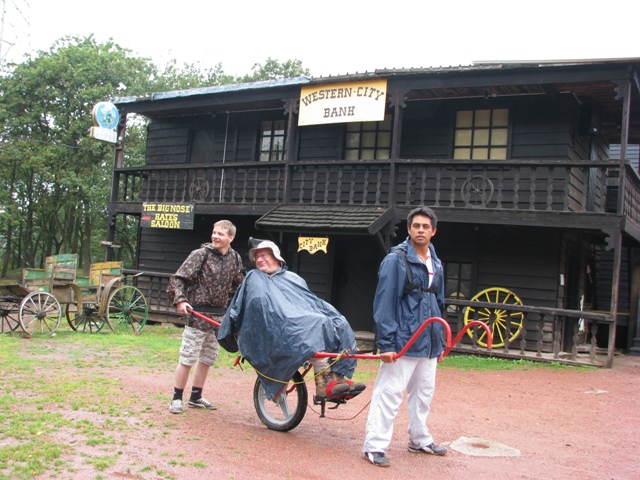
325 219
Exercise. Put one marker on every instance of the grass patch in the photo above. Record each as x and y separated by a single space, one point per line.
470 362
42 378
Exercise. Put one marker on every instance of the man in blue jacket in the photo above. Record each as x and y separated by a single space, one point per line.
403 301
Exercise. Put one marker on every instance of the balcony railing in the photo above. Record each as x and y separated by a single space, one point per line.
525 185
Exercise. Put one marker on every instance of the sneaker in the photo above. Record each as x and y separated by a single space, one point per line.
176 406
431 449
202 403
377 458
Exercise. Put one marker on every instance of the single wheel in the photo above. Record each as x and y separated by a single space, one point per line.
199 189
127 309
502 323
287 413
8 316
40 312
87 320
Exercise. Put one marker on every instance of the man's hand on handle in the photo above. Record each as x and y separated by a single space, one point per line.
388 357
184 308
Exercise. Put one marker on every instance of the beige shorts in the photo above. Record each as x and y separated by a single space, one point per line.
198 346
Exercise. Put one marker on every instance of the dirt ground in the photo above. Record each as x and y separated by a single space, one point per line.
569 423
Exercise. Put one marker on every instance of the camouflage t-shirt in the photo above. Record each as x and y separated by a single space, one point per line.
206 278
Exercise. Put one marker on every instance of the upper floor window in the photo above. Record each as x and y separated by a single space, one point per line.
481 134
272 141
368 140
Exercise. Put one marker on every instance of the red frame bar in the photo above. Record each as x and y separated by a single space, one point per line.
368 356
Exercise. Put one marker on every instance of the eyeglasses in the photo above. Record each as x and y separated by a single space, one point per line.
264 255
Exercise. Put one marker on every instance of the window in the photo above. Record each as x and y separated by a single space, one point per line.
272 141
458 283
368 140
481 134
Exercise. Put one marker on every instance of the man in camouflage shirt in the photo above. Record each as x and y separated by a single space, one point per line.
205 282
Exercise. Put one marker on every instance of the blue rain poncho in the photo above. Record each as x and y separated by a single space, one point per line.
280 324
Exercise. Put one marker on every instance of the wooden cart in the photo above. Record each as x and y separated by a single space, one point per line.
89 302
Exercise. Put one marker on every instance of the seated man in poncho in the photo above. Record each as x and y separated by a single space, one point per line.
280 324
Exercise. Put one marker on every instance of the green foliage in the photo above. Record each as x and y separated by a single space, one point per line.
274 70
55 180
58 177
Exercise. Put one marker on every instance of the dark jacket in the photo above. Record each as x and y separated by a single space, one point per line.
206 279
398 316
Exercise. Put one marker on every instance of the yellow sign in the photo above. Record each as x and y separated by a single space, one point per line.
343 102
313 244
167 215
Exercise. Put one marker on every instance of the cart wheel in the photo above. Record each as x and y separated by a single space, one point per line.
8 316
40 312
290 409
127 309
496 318
85 321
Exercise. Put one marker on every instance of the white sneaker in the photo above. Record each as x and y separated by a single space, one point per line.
202 403
176 406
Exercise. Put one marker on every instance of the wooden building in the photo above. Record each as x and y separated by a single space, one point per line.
513 157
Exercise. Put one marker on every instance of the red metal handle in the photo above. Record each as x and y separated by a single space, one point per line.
413 338
203 317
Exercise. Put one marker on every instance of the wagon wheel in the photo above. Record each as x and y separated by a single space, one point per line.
499 320
127 308
477 191
87 320
8 316
39 312
287 413
199 189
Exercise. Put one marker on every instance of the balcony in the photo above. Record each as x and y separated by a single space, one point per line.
523 185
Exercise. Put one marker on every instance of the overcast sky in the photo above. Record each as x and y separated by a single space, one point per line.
333 37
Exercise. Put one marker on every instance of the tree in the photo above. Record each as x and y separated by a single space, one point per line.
274 70
58 178
54 179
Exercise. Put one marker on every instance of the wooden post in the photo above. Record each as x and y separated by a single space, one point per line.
397 103
115 181
616 241
291 109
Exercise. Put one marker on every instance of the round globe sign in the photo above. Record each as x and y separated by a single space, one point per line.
105 115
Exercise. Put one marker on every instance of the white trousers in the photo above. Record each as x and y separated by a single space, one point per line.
418 377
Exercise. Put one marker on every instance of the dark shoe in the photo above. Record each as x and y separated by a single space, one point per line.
378 459
334 389
431 449
356 388
202 403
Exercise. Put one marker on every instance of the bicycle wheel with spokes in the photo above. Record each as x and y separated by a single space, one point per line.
127 309
288 410
39 313
503 323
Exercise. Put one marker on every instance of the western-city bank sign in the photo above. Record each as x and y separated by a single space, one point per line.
343 102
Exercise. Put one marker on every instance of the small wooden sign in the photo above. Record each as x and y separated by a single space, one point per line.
313 244
167 215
